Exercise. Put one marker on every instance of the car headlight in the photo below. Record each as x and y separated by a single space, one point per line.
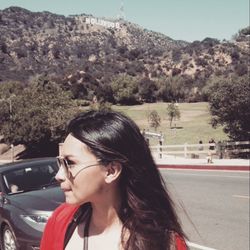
35 218
37 221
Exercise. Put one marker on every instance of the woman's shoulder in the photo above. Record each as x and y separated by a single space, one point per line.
56 227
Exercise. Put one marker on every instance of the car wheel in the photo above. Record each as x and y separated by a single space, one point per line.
9 241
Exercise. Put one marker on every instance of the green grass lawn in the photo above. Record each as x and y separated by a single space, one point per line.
192 126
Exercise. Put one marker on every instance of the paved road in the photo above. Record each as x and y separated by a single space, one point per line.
217 204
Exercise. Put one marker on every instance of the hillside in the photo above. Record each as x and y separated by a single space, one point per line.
72 50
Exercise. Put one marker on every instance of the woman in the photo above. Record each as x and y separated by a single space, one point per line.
115 197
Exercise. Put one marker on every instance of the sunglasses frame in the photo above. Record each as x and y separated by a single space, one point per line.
65 166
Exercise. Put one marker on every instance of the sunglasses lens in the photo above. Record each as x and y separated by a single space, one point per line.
62 163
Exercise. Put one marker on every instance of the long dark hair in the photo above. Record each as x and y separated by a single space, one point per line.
147 211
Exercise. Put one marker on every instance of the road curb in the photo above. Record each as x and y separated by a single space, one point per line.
204 167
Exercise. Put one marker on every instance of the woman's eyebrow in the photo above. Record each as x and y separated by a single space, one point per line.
69 157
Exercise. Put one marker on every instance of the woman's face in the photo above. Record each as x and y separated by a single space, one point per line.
82 184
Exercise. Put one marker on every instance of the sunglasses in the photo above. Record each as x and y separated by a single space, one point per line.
72 170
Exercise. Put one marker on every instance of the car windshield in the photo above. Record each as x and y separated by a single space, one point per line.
30 178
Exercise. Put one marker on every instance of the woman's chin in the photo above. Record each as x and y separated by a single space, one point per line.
73 201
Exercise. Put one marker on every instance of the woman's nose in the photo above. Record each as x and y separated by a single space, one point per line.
60 175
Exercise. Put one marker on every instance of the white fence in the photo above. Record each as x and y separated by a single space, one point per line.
221 149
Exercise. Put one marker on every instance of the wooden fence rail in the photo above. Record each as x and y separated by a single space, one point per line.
222 149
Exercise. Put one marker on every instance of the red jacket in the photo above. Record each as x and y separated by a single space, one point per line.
56 227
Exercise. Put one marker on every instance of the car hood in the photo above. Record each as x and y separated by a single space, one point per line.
40 200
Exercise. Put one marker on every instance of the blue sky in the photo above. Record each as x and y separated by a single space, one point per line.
179 19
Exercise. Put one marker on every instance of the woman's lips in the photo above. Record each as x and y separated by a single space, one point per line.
65 189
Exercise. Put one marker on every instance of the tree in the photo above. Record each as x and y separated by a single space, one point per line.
154 119
173 113
242 34
147 90
125 89
37 117
171 88
229 105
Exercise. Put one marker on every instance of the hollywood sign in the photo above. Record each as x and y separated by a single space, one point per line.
107 24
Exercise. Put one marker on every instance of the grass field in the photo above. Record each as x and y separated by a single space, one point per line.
192 126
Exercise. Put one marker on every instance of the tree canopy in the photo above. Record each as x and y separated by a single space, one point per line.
35 116
229 106
125 89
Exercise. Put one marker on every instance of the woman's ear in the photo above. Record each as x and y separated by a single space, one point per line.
113 171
